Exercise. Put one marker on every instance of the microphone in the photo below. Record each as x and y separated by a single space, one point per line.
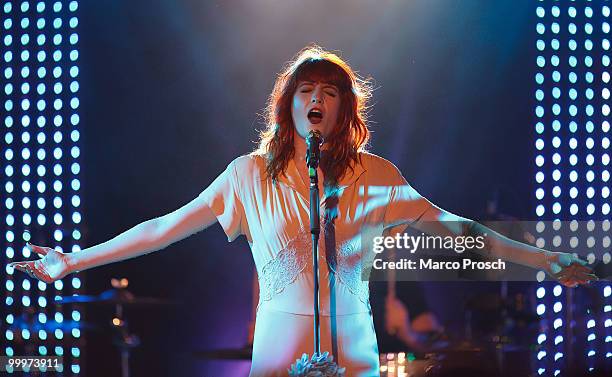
313 150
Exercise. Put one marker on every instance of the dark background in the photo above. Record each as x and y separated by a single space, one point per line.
172 91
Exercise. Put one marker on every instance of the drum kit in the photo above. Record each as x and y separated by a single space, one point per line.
118 297
492 354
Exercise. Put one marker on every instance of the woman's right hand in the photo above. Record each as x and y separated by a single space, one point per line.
53 265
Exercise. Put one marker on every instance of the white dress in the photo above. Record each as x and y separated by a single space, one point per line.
275 220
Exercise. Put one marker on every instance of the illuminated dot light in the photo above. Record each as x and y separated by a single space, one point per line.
40 111
572 156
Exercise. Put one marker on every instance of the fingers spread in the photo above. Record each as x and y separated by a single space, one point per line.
575 275
582 268
571 273
570 283
21 266
571 270
34 269
37 249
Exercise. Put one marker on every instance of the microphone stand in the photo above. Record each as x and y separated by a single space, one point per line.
320 364
312 162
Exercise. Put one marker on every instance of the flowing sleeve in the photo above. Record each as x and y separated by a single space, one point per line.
223 196
405 204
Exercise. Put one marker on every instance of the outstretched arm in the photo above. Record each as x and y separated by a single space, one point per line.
566 268
144 238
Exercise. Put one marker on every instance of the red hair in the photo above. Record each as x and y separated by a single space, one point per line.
350 135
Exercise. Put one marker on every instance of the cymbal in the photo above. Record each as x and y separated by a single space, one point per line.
244 353
113 297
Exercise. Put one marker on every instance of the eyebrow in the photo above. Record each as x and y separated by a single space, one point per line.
325 85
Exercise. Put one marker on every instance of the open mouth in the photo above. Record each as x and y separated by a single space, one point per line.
315 116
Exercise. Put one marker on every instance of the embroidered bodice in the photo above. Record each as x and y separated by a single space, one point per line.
274 217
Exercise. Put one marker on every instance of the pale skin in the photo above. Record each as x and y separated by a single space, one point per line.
195 216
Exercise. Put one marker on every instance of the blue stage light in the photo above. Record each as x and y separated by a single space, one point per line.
555 44
590 176
541 338
541 309
555 28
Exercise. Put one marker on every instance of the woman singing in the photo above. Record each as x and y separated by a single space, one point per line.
265 197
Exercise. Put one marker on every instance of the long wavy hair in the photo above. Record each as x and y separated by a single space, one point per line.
349 136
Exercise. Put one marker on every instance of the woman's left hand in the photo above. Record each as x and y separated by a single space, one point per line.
568 269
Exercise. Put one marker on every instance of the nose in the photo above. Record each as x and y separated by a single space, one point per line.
317 96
